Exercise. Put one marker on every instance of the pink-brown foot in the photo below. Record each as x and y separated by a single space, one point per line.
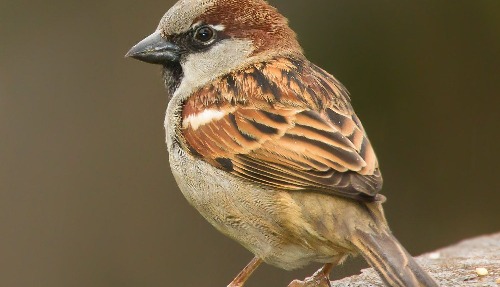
311 282
319 279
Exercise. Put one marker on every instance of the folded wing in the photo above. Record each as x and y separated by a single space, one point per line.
285 124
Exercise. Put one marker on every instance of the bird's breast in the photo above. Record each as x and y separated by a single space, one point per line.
278 226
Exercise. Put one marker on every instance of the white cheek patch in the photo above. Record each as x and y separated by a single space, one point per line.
203 118
203 67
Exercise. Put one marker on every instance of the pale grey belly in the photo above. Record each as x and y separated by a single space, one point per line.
255 217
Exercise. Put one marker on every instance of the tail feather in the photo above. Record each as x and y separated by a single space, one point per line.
391 260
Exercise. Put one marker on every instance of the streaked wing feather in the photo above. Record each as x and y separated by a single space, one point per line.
286 124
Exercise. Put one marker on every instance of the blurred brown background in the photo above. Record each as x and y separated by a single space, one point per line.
86 193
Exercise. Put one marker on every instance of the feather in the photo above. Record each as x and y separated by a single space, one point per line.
285 124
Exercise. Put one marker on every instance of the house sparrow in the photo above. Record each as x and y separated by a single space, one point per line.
266 145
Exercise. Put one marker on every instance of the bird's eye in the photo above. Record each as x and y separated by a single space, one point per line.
204 34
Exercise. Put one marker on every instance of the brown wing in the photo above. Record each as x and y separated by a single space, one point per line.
284 124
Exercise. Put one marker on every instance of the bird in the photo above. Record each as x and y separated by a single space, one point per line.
267 146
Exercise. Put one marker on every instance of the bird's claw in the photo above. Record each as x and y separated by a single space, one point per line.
319 279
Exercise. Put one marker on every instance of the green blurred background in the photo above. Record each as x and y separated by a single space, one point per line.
86 193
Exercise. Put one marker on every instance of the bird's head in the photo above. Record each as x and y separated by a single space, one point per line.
199 40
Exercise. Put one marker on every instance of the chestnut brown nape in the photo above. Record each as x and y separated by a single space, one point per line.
256 20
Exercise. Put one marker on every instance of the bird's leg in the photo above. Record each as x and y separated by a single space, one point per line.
243 276
319 279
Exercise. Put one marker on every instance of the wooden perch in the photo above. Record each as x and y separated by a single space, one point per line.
471 263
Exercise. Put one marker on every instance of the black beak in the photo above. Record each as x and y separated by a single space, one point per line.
155 50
